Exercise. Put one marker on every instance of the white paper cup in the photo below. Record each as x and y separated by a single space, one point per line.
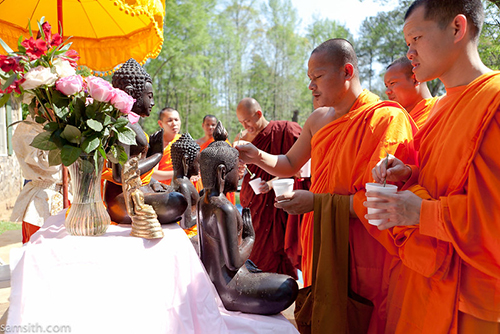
255 184
305 171
282 186
388 189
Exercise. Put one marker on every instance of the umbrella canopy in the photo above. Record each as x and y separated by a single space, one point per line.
104 32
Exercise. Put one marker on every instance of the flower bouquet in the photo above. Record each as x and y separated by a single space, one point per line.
80 115
84 119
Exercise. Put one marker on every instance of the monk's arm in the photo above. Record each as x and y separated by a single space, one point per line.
162 175
283 165
470 219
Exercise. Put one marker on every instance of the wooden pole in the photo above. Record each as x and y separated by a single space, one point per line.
64 169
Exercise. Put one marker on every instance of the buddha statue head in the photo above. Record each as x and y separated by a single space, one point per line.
219 163
136 82
185 156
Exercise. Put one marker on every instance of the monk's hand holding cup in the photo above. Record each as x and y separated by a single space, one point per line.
296 202
397 209
391 169
248 152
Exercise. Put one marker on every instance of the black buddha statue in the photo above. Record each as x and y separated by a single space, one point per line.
168 205
185 155
227 238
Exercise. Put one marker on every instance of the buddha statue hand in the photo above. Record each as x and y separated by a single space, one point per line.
155 143
159 187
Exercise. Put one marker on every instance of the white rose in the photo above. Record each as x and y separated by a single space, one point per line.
39 76
27 97
63 68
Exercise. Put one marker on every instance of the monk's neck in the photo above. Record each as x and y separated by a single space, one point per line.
205 139
167 139
465 70
350 97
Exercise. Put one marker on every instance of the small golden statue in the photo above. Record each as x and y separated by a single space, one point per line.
145 222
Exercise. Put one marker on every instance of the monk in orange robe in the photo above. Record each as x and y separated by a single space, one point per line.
402 87
448 234
170 121
209 123
346 135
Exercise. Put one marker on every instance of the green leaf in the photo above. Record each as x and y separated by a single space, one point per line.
94 125
113 154
87 166
103 153
72 134
121 122
90 111
5 46
61 112
52 126
42 141
40 119
9 81
107 120
126 136
122 159
69 154
4 99
55 157
90 144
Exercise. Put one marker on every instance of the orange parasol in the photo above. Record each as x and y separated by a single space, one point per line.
104 32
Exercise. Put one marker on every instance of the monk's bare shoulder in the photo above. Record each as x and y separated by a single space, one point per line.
319 118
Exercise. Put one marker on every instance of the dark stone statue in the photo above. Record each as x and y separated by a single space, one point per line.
226 239
168 205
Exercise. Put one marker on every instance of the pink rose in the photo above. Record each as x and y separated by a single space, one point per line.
133 117
99 89
122 101
70 85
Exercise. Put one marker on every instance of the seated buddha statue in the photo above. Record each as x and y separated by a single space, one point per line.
227 238
168 205
185 162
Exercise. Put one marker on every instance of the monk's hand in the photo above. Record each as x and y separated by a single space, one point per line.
248 152
155 143
400 209
391 169
296 203
265 187
241 169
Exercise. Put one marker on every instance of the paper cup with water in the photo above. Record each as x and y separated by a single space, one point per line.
282 186
305 171
255 184
388 189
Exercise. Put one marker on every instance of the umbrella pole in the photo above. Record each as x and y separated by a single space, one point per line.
64 169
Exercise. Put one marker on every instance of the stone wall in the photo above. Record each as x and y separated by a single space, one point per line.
11 180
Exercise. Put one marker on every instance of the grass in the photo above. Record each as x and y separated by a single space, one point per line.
8 226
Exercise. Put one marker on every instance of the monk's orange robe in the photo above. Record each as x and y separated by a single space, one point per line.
421 111
165 163
451 260
343 154
199 185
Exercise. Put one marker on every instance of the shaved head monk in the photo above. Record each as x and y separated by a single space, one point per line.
208 125
346 135
274 137
402 87
170 121
448 235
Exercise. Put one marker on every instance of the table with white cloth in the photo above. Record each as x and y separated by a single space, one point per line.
120 284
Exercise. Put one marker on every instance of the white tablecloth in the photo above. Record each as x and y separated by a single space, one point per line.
120 284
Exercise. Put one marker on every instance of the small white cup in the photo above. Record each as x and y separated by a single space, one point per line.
305 171
282 186
388 189
255 184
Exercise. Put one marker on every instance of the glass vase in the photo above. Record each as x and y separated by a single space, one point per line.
87 214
